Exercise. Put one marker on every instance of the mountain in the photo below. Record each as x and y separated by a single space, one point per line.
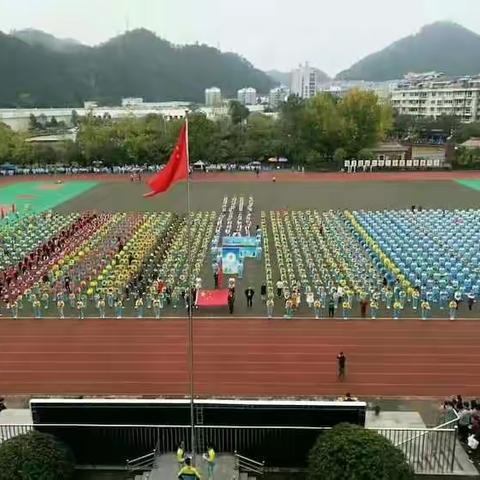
443 46
136 64
38 38
284 78
34 76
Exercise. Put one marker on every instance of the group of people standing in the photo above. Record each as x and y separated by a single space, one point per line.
187 469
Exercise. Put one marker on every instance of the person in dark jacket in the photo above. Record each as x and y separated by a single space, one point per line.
249 293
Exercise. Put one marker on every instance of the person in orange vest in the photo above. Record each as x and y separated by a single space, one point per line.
187 471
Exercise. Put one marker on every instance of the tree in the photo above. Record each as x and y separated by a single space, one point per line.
74 119
35 456
467 158
32 123
6 142
340 155
262 138
365 121
349 451
466 131
238 112
291 125
202 137
322 126
53 123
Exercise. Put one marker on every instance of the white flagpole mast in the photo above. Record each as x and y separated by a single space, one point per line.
190 303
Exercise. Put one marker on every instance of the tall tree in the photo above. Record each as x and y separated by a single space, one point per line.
365 122
238 112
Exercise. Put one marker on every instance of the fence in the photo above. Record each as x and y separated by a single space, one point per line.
370 165
427 450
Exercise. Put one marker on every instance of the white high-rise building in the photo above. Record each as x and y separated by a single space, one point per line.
304 81
278 95
247 96
434 95
213 97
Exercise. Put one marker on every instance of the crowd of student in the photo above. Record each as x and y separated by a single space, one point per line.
467 413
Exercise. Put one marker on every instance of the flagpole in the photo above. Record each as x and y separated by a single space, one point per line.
190 303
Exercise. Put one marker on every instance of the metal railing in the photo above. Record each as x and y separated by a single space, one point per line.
245 464
427 449
438 447
144 462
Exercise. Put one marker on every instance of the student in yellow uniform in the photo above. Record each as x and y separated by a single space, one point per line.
181 454
210 458
188 472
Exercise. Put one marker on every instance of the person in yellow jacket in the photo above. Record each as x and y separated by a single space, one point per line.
188 471
425 307
453 309
347 308
181 454
210 458
397 309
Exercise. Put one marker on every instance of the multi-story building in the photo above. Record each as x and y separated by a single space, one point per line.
213 97
277 96
433 95
247 96
305 81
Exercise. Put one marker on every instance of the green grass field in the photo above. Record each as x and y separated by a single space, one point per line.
42 196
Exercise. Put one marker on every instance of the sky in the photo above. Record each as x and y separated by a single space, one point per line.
272 34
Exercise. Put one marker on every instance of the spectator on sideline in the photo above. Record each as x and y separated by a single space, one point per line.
465 417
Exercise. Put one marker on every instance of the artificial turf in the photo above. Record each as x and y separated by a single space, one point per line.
41 196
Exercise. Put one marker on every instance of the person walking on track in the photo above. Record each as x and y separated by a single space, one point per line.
341 362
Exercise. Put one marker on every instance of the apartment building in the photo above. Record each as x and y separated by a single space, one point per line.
433 95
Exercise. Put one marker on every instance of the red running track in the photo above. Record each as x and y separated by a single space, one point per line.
239 357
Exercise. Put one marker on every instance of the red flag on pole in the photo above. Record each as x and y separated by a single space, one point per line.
175 170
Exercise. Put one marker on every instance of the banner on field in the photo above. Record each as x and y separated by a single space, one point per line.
240 241
231 261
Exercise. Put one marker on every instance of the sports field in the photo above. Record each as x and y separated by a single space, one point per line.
243 353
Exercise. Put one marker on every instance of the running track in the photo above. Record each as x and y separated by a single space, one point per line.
386 358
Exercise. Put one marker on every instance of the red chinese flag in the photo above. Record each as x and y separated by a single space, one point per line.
175 170
212 298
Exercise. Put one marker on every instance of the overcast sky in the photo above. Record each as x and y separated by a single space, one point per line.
279 34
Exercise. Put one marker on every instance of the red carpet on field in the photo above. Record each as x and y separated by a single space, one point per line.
239 357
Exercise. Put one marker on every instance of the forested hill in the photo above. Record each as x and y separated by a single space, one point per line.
136 64
443 47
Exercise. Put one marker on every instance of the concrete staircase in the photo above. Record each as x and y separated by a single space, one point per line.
144 476
166 468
